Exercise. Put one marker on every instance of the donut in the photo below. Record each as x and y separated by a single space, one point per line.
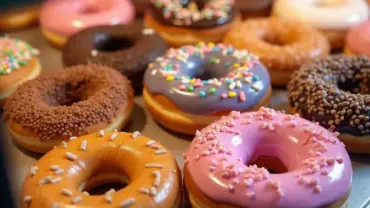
65 175
190 87
332 17
252 8
19 63
231 163
282 46
80 14
127 48
67 103
19 15
140 6
358 40
191 21
335 92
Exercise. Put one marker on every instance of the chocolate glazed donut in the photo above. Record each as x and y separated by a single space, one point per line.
127 48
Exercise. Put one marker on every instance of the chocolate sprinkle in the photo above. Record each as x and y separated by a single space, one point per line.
334 92
123 47
64 102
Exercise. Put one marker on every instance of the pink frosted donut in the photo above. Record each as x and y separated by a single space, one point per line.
358 40
319 171
60 19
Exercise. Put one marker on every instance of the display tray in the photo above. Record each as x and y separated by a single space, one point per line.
20 160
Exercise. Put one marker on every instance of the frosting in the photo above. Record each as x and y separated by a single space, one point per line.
334 92
208 78
330 14
14 54
252 5
358 39
70 16
319 168
192 13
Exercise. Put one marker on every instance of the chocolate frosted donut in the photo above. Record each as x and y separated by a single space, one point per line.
253 8
127 48
202 82
66 103
196 14
335 92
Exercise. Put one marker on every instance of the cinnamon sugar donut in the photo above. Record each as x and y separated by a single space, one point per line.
335 92
281 45
67 103
63 177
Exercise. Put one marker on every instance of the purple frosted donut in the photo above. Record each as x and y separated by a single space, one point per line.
196 84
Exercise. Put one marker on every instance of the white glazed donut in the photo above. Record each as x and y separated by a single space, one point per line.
329 16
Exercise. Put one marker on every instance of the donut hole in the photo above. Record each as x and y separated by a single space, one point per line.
204 69
110 43
271 163
355 83
274 39
68 94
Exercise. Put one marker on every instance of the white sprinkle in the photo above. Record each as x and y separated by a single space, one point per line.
154 72
135 134
238 84
101 133
111 191
56 180
115 130
64 144
59 172
153 191
113 137
45 180
154 165
55 205
108 198
27 199
148 31
66 192
157 179
248 80
72 138
76 199
86 193
257 86
151 142
144 190
232 85
83 146
54 167
155 146
161 151
33 170
94 52
128 202
71 156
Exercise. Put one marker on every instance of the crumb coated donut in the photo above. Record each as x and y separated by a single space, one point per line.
253 8
333 18
192 86
65 175
358 40
281 45
223 166
66 103
191 21
335 92
127 48
19 63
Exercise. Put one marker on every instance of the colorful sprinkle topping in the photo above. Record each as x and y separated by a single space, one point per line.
14 54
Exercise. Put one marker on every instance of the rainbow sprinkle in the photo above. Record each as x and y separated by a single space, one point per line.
14 54
239 74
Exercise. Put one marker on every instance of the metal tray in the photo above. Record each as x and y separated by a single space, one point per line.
20 160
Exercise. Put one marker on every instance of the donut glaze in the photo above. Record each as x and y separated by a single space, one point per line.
80 14
127 48
358 39
330 14
192 13
319 168
62 177
208 78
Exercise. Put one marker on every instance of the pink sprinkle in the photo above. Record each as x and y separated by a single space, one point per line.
280 192
340 160
251 195
205 153
314 182
248 182
197 157
303 180
242 96
231 188
212 168
236 181
223 95
317 189
330 161
198 84
225 174
324 172
182 87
